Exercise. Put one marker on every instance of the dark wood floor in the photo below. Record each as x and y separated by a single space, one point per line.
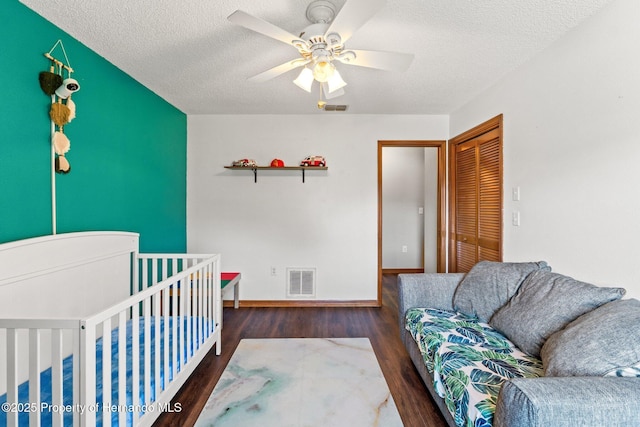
380 325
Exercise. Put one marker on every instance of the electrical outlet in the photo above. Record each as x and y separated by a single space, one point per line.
274 272
405 249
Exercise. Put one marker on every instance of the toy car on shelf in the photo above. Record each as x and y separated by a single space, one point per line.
245 163
313 161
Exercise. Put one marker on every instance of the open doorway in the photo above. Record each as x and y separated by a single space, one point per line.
416 252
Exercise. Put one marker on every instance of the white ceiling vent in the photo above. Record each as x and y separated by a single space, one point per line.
301 282
332 107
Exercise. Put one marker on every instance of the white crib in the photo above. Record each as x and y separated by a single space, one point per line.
68 301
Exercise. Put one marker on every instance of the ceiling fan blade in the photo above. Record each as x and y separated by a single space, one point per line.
388 61
353 15
280 69
263 27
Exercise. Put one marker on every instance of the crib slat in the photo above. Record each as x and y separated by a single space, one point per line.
106 372
154 272
182 331
156 336
76 373
208 297
135 266
145 275
147 350
200 313
165 345
174 265
194 312
34 375
135 360
122 366
207 305
207 300
165 269
187 316
88 386
217 300
12 375
56 376
174 328
203 305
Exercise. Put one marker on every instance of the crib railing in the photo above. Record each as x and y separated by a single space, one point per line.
43 340
153 268
181 311
176 310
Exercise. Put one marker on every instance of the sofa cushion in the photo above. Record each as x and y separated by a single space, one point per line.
489 285
545 303
605 341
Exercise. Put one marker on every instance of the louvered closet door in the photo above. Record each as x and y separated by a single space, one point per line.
489 200
466 207
476 190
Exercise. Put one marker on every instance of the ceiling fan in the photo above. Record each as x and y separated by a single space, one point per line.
323 42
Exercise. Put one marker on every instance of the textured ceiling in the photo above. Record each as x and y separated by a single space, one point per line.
191 55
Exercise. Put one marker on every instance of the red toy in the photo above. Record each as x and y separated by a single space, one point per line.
313 161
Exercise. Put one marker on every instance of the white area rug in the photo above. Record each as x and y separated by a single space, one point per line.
301 382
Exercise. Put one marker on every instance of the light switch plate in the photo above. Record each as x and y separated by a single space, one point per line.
515 218
515 194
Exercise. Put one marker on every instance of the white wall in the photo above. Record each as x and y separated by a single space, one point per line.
572 145
403 182
410 182
431 210
329 222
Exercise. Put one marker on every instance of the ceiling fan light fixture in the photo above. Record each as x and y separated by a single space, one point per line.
335 82
304 79
323 70
323 42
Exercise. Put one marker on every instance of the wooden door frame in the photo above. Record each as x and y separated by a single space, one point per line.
441 196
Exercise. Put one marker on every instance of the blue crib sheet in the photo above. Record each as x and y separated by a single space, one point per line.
67 367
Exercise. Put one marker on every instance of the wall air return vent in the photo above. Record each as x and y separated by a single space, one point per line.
301 282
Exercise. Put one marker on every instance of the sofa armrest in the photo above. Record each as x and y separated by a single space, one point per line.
568 401
426 290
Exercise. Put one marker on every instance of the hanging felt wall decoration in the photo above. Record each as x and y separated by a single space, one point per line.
72 108
62 165
60 113
61 143
49 80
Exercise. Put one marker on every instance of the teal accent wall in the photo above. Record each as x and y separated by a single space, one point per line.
128 145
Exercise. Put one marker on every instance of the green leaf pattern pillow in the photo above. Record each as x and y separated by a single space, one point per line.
469 361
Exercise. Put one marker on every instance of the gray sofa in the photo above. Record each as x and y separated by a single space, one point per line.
586 340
